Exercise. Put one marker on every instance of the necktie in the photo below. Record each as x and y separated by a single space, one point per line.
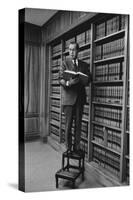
75 65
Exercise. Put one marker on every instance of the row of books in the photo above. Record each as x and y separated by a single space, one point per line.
55 116
114 139
84 146
55 76
109 116
100 30
55 109
109 72
123 21
55 62
84 38
88 36
55 90
110 26
86 109
55 123
107 160
54 130
55 68
55 103
98 134
84 53
55 82
84 134
56 49
81 39
109 94
107 137
110 49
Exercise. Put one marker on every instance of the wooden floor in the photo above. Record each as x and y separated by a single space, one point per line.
42 162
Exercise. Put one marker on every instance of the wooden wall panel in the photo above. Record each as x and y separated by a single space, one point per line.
62 22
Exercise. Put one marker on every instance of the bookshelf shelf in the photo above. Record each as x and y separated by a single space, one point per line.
66 52
55 83
54 122
56 55
56 65
84 46
85 119
55 109
55 97
105 147
113 35
105 125
55 69
108 82
107 104
109 59
86 139
84 57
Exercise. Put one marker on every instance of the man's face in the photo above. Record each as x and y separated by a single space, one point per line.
73 52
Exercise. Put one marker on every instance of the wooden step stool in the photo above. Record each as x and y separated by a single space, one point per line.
71 172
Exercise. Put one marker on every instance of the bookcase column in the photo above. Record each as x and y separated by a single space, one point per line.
43 96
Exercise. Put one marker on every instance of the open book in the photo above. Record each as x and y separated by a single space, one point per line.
68 74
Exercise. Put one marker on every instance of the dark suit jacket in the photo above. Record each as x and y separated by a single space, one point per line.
71 93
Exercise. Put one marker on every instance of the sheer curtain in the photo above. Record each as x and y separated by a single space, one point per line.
32 79
32 90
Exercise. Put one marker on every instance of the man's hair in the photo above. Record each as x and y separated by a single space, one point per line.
77 45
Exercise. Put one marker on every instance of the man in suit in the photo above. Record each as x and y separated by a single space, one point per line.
73 95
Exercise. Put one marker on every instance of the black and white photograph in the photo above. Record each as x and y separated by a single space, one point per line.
74 99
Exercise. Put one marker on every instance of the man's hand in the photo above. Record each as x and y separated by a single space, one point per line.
72 82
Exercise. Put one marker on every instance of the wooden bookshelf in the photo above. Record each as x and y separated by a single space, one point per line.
109 53
105 134
55 91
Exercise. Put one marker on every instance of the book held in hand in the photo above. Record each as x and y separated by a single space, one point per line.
68 74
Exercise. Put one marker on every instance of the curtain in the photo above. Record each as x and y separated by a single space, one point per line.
32 79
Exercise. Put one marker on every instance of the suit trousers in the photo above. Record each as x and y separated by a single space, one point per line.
73 112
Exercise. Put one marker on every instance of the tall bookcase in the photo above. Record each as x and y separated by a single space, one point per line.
109 93
105 123
55 91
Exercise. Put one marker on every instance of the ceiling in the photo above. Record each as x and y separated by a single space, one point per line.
38 16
